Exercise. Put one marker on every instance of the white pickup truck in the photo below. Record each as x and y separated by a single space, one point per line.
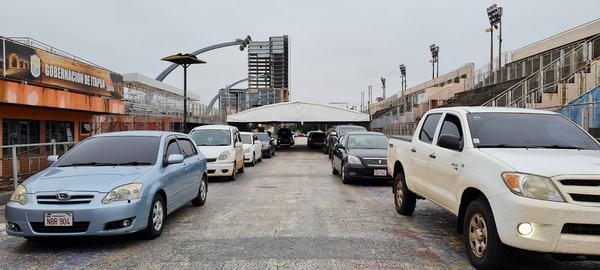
515 178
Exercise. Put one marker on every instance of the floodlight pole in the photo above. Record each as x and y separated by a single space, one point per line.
185 112
500 39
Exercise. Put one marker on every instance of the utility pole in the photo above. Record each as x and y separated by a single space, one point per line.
362 101
383 86
370 100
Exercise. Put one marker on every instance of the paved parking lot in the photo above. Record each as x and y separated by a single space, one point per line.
288 212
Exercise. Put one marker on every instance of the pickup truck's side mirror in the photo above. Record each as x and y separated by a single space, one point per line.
52 159
450 142
339 145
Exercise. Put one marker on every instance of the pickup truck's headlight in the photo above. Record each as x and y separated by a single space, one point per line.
353 160
124 193
532 186
225 155
20 195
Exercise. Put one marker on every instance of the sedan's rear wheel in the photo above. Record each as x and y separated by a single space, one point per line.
156 218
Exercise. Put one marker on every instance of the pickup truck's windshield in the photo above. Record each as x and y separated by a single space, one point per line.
211 137
367 142
527 130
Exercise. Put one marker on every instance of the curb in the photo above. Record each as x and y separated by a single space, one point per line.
4 197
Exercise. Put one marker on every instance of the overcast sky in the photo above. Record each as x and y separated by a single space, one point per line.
337 48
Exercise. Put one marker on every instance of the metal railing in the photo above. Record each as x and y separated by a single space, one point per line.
34 154
545 80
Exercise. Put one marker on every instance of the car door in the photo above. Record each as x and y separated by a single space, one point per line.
444 169
193 167
238 148
257 146
175 176
339 153
421 152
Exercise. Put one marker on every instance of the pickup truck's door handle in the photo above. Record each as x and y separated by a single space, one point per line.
413 150
432 155
455 166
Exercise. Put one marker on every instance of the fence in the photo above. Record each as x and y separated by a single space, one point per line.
21 160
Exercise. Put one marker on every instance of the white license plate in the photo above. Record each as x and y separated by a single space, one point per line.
58 219
380 172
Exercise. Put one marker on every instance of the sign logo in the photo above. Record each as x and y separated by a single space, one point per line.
380 161
62 196
35 66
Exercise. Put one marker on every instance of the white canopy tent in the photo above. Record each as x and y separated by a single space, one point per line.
298 112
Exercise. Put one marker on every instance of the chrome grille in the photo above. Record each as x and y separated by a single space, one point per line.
375 162
73 199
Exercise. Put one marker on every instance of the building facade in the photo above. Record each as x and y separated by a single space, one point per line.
268 73
47 95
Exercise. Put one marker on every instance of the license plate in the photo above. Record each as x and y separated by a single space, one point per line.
58 219
380 172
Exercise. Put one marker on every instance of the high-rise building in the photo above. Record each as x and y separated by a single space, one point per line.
268 69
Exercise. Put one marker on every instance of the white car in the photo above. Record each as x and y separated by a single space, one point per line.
222 147
252 148
516 178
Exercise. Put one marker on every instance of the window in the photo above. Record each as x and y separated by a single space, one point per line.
172 148
20 132
187 147
60 132
246 139
211 137
451 126
429 127
113 150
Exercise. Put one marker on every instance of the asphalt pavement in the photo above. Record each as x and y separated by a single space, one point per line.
288 212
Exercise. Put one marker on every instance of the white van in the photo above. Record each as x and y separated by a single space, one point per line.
222 147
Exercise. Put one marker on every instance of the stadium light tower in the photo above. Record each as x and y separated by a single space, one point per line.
435 51
494 13
403 78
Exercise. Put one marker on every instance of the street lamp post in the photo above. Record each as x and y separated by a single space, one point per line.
184 60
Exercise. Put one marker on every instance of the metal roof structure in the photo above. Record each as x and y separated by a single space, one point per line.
298 112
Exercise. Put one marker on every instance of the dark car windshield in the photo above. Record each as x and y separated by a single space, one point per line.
344 130
263 137
527 130
367 142
246 138
284 133
318 136
211 137
113 151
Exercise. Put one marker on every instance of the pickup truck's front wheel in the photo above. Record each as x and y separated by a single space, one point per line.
482 243
404 199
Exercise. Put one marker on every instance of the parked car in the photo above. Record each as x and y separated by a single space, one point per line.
285 137
341 131
330 139
252 148
516 178
316 139
223 148
113 183
268 145
361 155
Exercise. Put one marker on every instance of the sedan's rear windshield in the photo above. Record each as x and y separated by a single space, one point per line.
211 137
246 138
345 130
263 137
113 151
527 130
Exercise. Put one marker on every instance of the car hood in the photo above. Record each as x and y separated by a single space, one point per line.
369 153
96 179
549 162
212 151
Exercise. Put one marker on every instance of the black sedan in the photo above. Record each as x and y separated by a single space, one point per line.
361 155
